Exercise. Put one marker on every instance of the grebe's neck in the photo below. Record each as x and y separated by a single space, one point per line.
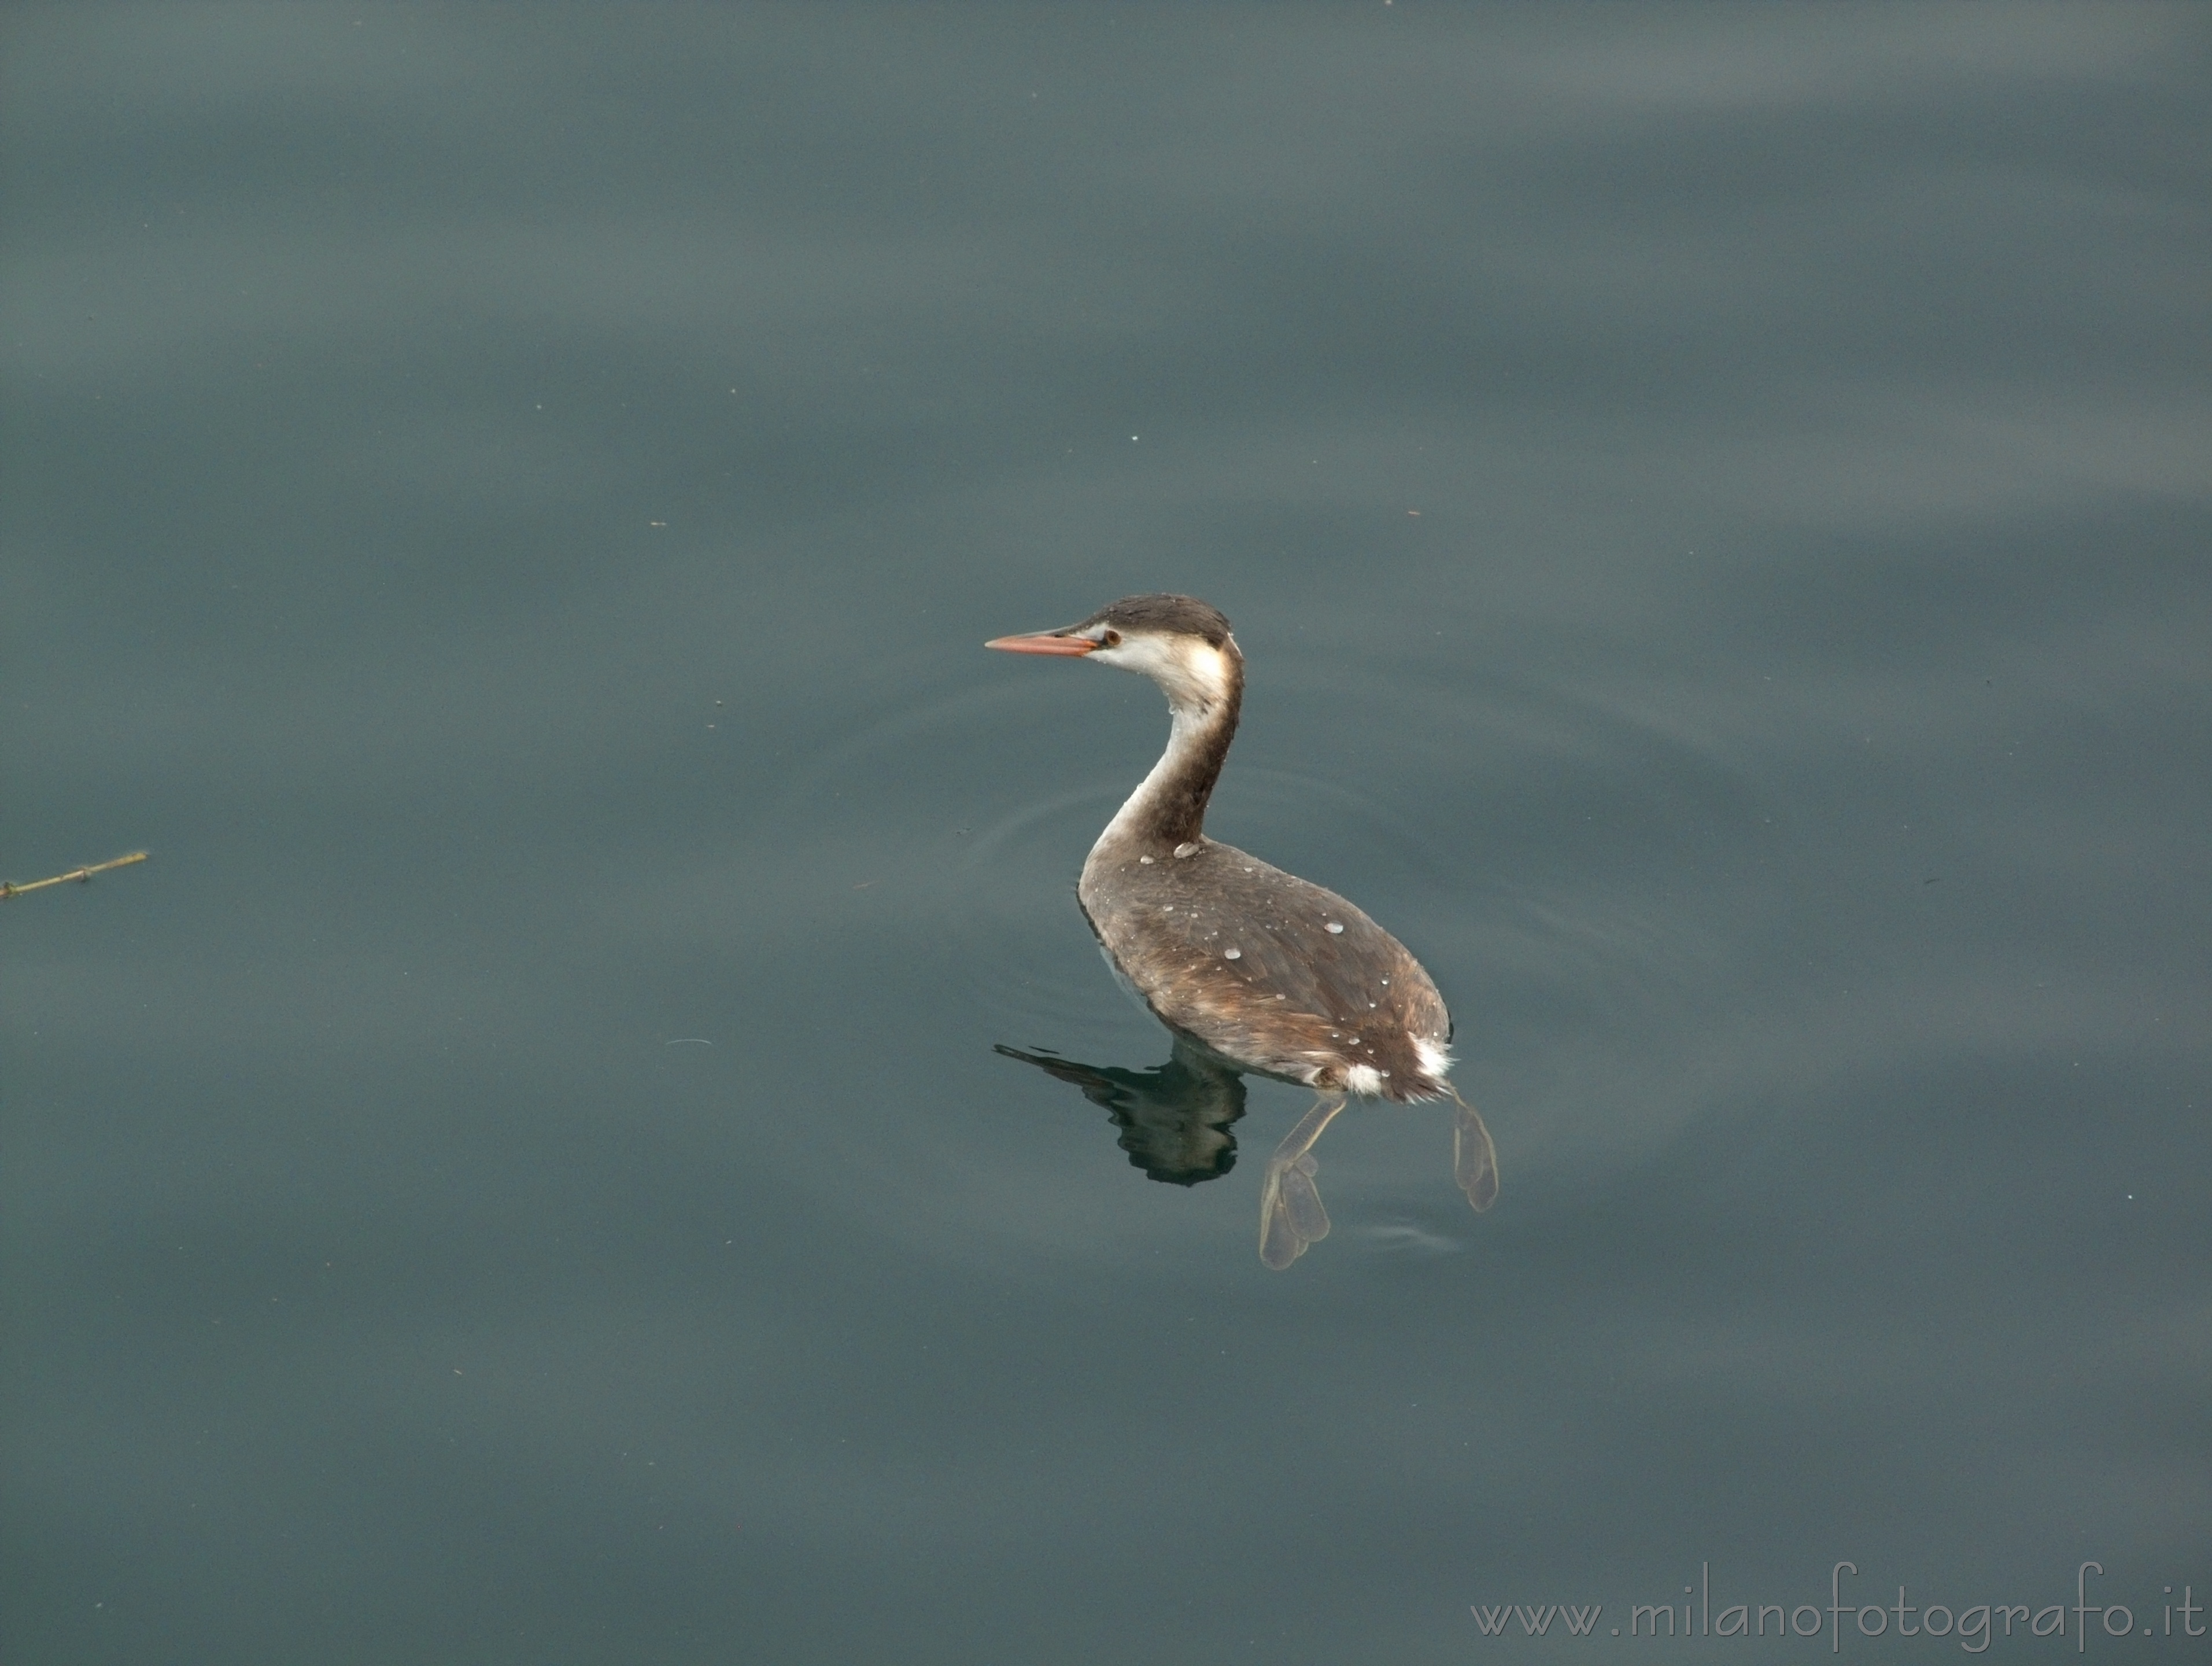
1205 692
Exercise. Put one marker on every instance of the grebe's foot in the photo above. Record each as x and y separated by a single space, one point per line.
1474 1159
1291 1213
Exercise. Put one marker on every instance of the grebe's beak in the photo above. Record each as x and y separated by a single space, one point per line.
1045 643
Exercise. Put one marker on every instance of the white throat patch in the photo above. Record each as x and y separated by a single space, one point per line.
1192 674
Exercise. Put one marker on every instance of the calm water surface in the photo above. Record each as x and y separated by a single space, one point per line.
506 505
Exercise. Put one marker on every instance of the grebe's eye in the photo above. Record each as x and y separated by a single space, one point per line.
1111 639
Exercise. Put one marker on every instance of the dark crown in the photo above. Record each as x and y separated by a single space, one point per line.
1163 615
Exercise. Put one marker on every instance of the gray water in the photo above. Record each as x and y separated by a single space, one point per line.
505 504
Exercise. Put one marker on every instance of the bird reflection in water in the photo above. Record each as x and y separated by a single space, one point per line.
1174 1119
1252 969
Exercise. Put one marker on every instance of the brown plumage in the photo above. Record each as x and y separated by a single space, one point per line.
1264 969
1239 954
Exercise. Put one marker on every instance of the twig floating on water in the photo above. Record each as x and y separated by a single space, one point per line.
82 875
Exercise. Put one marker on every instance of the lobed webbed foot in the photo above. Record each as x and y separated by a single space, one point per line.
1475 1158
1291 1213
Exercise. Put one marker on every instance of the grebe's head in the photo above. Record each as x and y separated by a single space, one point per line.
1181 642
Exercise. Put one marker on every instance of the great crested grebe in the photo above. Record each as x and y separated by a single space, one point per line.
1266 971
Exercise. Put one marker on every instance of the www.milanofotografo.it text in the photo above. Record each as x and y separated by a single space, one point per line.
1845 1618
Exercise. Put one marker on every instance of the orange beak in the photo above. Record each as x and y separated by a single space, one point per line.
1046 643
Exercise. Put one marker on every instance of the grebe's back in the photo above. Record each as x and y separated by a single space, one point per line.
1271 971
